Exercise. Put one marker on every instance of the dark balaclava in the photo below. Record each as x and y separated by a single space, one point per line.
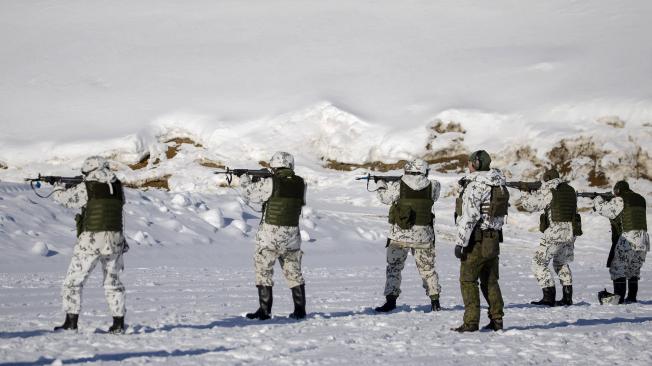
550 174
620 187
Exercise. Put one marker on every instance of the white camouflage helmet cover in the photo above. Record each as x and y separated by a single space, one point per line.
416 166
281 159
94 163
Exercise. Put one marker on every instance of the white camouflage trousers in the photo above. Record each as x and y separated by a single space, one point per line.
561 254
289 259
627 262
81 266
425 261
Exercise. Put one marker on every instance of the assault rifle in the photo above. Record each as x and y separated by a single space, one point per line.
524 186
68 182
607 196
256 174
376 178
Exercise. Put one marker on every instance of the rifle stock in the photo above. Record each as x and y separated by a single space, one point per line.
605 195
256 174
376 178
524 186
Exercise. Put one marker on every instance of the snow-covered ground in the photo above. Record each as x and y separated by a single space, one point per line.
185 87
189 280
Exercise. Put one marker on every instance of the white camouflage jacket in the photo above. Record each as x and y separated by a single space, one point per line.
476 194
272 236
99 243
540 200
390 193
639 239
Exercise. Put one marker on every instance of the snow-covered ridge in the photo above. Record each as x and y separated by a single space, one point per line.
603 148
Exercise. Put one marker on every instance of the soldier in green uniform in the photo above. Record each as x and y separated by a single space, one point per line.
627 211
100 239
278 236
480 214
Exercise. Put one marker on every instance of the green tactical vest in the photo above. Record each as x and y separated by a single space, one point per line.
412 207
103 211
633 215
284 206
564 203
498 204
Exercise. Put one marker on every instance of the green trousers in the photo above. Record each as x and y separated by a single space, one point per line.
480 265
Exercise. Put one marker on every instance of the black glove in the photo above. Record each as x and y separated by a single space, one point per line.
459 252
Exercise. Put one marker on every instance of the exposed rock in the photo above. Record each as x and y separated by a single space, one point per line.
159 182
613 121
141 164
183 140
211 164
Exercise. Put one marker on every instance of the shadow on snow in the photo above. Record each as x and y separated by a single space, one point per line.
25 334
120 356
528 306
584 323
240 321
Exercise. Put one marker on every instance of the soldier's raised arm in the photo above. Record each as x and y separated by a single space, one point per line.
388 193
609 209
536 200
75 197
256 192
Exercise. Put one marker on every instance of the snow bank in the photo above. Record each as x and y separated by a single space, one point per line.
606 145
40 248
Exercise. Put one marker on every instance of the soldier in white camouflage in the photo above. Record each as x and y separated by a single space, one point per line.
412 216
479 215
559 224
628 210
100 239
278 236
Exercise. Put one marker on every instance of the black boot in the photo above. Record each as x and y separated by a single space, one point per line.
389 305
299 299
69 324
632 284
434 303
118 326
548 297
494 325
265 299
620 288
466 328
567 297
604 296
